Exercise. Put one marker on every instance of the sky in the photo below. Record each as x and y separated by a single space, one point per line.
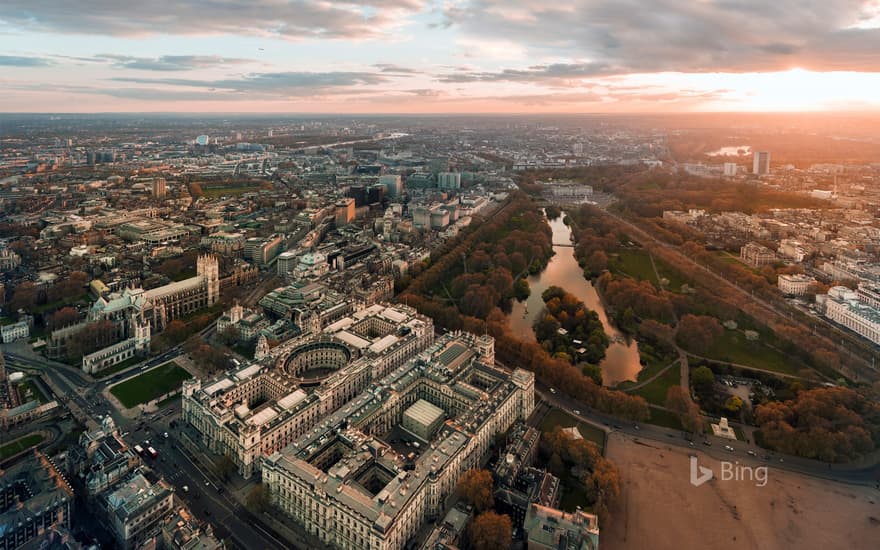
444 56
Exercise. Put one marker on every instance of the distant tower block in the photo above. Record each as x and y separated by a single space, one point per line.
159 188
761 163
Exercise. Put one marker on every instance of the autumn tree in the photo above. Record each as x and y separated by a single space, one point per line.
491 531
476 488
829 424
62 318
678 401
697 333
257 500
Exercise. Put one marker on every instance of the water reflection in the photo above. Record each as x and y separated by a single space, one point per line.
622 357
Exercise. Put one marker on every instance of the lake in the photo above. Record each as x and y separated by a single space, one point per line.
622 357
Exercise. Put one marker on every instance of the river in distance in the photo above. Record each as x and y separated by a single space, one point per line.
622 357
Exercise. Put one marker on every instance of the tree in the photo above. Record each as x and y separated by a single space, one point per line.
733 405
62 318
702 378
257 500
476 488
176 331
679 402
224 466
491 531
697 333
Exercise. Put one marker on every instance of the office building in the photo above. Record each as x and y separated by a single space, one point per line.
449 180
353 485
158 188
550 529
344 211
261 408
393 185
729 169
761 163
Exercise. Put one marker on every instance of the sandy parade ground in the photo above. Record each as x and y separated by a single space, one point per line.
659 508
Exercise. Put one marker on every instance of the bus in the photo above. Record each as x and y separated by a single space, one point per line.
152 452
139 450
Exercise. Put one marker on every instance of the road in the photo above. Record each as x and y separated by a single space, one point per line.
716 448
205 494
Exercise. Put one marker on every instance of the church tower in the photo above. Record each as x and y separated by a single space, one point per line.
207 267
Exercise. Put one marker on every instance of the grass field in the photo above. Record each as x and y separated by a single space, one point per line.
733 347
636 263
19 445
558 417
662 417
150 385
118 367
28 390
655 391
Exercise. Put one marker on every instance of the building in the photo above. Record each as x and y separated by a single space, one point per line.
794 285
15 331
729 169
344 211
550 529
310 306
135 508
158 188
761 163
393 185
352 484
138 344
757 255
263 251
450 533
422 419
101 458
9 260
182 531
34 498
230 245
449 180
259 409
843 306
248 322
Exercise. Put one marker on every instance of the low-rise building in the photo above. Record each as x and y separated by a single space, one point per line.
135 508
15 331
842 306
794 285
34 497
550 529
757 255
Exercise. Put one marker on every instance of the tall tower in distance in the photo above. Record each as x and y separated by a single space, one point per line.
208 267
159 188
761 163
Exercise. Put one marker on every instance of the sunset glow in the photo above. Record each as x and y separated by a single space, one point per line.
420 56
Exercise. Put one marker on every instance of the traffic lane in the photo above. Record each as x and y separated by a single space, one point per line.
740 448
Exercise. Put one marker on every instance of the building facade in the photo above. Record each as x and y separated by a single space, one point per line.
350 484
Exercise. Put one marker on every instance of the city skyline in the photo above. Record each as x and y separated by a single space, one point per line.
412 56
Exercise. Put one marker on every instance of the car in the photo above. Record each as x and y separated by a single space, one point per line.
691 443
165 435
781 459
617 426
728 448
207 483
186 488
751 452
636 427
575 411
220 490
552 390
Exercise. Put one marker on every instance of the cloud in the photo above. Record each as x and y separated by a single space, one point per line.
279 83
20 61
170 62
632 36
292 19
393 69
555 71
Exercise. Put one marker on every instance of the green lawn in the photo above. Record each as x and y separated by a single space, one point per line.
655 391
662 417
635 263
118 367
733 347
28 390
19 445
150 385
558 417
674 277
